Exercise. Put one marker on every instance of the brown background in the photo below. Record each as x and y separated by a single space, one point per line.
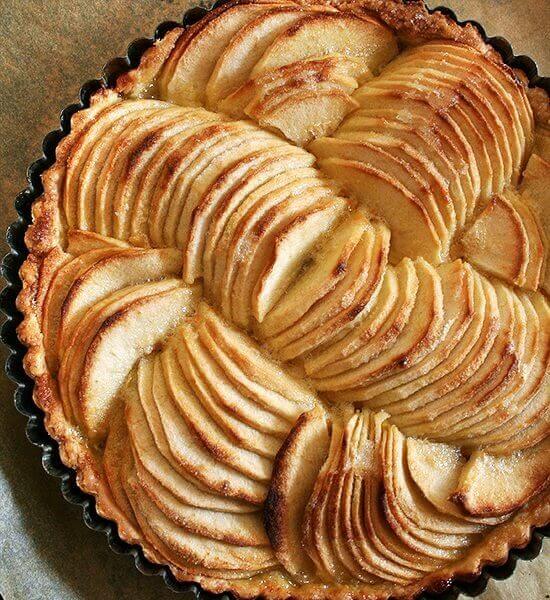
48 48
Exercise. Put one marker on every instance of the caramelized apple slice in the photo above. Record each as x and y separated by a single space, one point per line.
372 153
325 270
497 241
246 47
346 304
322 34
186 73
493 486
295 470
435 468
265 179
117 345
413 232
417 334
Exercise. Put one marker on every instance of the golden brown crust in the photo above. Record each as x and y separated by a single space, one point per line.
45 240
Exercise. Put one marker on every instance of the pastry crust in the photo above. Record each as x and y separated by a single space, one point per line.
46 240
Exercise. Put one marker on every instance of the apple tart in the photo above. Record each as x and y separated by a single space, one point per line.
286 301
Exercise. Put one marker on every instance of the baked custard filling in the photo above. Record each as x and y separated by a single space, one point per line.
286 301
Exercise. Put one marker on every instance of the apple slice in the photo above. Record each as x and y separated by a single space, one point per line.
227 184
498 242
192 456
291 249
309 113
153 456
494 486
256 245
266 89
346 304
116 453
459 348
228 248
80 242
263 177
89 128
54 297
243 432
336 33
366 328
227 399
205 429
119 342
458 307
254 363
417 335
412 229
119 269
463 363
432 142
294 473
186 73
499 365
435 468
199 550
247 46
371 153
326 269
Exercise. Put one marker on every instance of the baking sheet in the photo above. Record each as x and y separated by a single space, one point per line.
49 48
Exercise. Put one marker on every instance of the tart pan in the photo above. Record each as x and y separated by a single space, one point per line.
35 430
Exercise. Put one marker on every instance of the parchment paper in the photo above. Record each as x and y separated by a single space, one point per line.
48 48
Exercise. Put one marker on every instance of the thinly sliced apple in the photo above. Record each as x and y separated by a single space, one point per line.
323 34
295 470
188 71
229 246
197 549
291 249
152 454
372 336
458 305
272 169
230 399
429 139
247 47
226 186
190 453
441 418
255 363
119 342
79 242
326 269
84 148
454 372
346 304
435 469
309 114
372 153
419 335
264 90
382 307
241 529
412 229
205 429
122 268
494 486
242 432
415 520
55 295
497 241
253 251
